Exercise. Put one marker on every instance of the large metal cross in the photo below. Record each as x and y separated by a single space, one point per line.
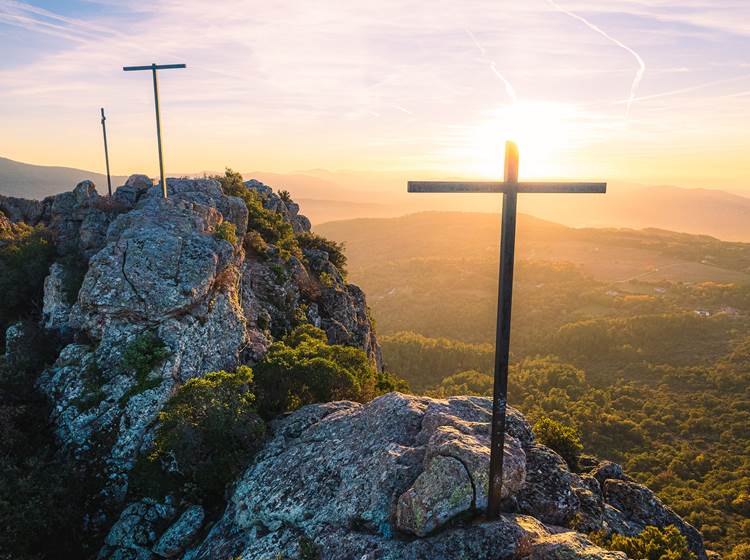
510 188
154 68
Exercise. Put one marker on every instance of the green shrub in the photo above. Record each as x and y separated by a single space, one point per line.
226 231
140 357
42 491
303 368
144 353
740 552
470 382
271 225
336 256
565 440
208 432
326 279
26 254
652 544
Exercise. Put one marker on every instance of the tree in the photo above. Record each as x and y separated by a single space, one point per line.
207 433
303 368
561 438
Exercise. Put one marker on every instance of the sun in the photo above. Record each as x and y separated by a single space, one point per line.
542 130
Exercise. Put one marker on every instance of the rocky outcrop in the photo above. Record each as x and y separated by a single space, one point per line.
406 477
157 266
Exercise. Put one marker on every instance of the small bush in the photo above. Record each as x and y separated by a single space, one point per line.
336 256
226 231
326 279
469 382
304 369
207 434
42 491
145 353
565 440
140 357
254 242
740 552
271 225
652 544
26 254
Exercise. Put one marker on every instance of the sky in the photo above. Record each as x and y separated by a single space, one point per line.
648 91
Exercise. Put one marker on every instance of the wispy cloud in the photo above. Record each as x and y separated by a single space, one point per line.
641 64
493 66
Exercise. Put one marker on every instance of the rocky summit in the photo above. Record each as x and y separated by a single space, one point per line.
406 477
199 285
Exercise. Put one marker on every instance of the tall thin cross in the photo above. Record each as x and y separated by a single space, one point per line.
154 68
106 153
510 188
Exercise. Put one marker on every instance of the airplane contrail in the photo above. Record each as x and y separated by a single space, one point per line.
641 64
508 86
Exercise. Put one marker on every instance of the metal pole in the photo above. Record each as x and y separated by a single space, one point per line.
502 333
106 153
158 131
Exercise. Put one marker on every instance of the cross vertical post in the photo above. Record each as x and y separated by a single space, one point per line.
502 332
106 152
509 187
158 131
154 67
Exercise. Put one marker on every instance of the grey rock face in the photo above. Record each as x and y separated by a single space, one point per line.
156 266
15 341
133 189
56 308
180 533
639 507
398 478
136 531
23 210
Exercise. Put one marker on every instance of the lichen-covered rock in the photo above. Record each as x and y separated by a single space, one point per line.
549 494
443 491
133 189
138 529
571 546
606 470
55 306
31 212
438 495
16 342
640 507
181 533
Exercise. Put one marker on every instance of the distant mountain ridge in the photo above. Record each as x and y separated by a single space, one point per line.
339 195
27 180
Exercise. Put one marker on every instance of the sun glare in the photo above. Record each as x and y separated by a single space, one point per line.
542 130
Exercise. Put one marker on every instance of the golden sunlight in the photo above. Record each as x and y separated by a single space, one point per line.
542 130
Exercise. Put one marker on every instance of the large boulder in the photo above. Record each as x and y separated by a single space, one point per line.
405 477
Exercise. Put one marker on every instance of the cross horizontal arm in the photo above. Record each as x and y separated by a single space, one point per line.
152 66
501 187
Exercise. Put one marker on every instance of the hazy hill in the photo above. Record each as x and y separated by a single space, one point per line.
608 254
340 195
37 181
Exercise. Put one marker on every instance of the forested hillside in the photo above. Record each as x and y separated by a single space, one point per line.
638 339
